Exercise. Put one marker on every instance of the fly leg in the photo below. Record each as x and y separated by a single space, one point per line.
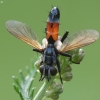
59 70
36 50
48 78
42 78
45 77
64 36
68 55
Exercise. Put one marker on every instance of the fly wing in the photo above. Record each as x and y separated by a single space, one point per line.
23 32
79 39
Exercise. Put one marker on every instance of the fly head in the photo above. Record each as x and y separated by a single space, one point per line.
47 71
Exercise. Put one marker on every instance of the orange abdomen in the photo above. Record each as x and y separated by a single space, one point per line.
52 30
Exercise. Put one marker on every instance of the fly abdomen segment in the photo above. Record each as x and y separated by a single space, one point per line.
52 30
52 27
54 15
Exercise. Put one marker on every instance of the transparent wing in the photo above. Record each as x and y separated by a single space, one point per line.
79 39
23 32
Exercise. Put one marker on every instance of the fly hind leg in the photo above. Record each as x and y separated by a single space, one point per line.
59 70
64 36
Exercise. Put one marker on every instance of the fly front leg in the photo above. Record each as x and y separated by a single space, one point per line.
59 70
68 55
48 78
41 78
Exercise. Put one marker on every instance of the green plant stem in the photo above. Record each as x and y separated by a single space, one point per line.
40 94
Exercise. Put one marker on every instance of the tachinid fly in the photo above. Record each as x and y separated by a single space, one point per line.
52 45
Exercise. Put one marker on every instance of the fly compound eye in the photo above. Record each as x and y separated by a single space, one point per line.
53 71
41 69
45 70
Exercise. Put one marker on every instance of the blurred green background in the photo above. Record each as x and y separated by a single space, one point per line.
15 54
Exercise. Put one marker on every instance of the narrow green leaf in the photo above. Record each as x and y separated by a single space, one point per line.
21 75
21 96
27 69
31 81
16 81
16 88
32 93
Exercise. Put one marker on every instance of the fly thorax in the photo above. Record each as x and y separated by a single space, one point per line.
49 56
